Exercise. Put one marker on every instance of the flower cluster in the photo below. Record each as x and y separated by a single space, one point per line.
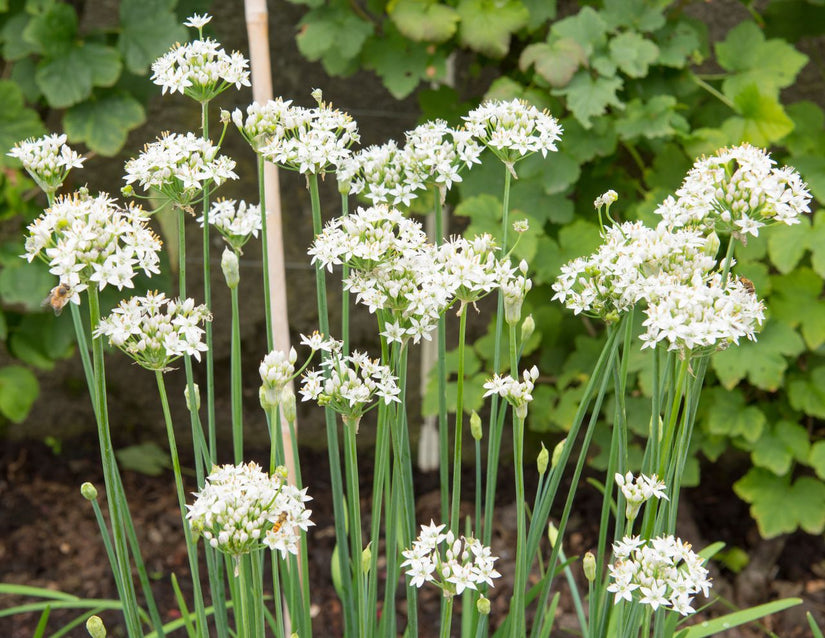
738 190
237 222
452 564
241 509
639 490
662 572
473 267
350 384
90 240
380 173
47 159
200 69
276 370
513 130
513 292
516 393
180 167
155 331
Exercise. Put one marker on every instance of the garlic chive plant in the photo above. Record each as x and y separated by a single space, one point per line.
675 277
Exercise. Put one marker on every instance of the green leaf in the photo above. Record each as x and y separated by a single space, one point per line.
806 392
816 632
42 339
652 119
22 74
808 135
400 63
486 25
762 119
146 458
103 62
816 458
728 621
787 244
780 507
53 32
574 240
763 362
18 390
585 144
680 42
25 285
149 29
587 27
779 445
16 121
639 15
541 12
796 301
816 242
727 415
423 20
68 79
556 62
769 64
318 39
812 169
15 45
633 53
589 97
103 123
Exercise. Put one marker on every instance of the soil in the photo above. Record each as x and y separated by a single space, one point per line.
49 538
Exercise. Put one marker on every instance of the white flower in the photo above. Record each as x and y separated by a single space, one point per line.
154 330
518 394
639 490
87 239
237 222
452 564
606 199
241 508
277 370
664 571
198 21
47 159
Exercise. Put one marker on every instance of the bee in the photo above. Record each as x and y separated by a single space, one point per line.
747 284
58 298
279 522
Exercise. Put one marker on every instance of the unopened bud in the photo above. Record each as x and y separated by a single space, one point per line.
528 327
318 96
288 405
712 244
95 627
542 460
88 491
552 534
483 605
554 461
226 116
475 426
589 566
229 265
196 405
366 559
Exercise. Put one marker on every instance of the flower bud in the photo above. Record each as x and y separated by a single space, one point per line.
193 407
542 460
226 116
552 534
475 426
589 566
554 461
127 191
528 327
483 605
88 491
229 265
318 96
288 405
366 559
94 625
712 244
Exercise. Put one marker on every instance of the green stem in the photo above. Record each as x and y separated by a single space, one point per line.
459 418
517 605
354 520
717 94
441 371
207 300
344 293
191 546
446 617
237 383
265 253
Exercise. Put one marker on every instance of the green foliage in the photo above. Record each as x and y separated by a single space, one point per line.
623 77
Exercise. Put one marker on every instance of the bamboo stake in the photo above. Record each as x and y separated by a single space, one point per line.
257 26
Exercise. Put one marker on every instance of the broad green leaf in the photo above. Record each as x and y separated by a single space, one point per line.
539 416
632 53
796 301
42 339
728 621
808 135
103 123
728 415
25 285
556 62
812 169
762 119
68 79
589 97
706 141
146 458
52 32
652 119
787 244
18 390
770 64
575 239
806 392
541 12
486 25
779 445
587 27
780 507
639 15
816 242
423 20
149 28
318 39
680 42
16 121
668 169
816 458
15 45
103 62
585 144
400 63
763 362
22 74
